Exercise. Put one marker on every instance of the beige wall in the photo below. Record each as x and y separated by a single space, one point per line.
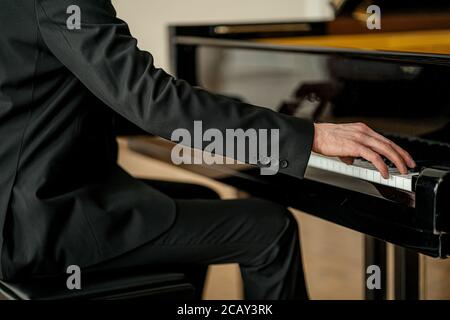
148 19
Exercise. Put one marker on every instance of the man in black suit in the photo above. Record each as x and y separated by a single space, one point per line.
65 201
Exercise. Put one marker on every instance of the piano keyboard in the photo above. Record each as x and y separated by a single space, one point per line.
363 170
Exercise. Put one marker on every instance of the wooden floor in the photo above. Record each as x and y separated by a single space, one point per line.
332 254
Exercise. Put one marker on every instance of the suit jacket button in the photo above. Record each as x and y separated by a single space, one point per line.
284 164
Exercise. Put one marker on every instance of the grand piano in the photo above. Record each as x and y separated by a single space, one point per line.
397 80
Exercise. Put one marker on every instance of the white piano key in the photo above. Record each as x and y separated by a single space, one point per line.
370 174
399 182
363 174
377 177
390 181
349 170
362 170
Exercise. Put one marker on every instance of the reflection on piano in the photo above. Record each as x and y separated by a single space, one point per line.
338 71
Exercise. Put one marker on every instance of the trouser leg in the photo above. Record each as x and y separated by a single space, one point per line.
259 235
278 272
181 190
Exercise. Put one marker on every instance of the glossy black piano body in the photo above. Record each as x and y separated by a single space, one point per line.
405 95
418 220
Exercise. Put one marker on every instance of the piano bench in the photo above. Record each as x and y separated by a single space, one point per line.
105 285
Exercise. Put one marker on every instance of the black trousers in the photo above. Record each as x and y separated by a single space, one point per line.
261 236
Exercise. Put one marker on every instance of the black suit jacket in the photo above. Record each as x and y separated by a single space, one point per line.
64 200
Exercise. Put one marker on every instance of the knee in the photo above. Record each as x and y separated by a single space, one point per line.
276 217
273 229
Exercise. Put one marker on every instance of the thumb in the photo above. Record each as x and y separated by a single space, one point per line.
347 160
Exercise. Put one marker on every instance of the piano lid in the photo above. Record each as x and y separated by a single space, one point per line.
398 15
426 41
354 7
413 26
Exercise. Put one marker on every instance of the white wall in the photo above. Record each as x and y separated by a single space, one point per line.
148 19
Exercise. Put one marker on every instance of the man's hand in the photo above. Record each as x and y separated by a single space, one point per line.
353 140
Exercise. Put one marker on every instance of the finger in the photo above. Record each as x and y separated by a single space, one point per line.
390 153
404 154
375 159
365 136
347 160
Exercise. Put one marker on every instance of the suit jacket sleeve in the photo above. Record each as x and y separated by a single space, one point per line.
105 58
